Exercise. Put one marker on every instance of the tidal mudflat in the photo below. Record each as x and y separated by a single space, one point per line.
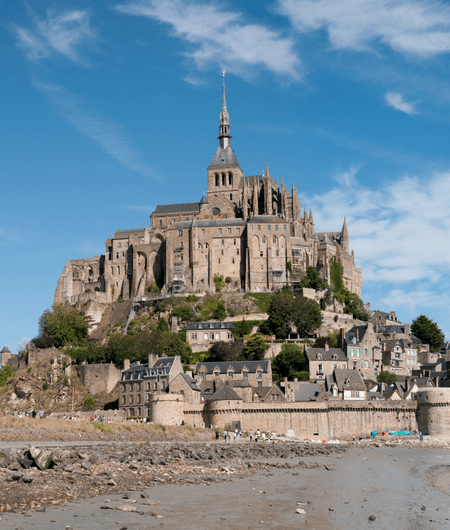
386 487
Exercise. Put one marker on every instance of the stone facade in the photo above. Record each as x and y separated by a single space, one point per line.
255 373
202 335
323 361
247 229
99 378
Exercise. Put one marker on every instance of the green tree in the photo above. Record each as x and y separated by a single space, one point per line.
64 325
386 377
254 348
5 374
288 362
332 339
306 315
225 351
220 312
428 332
184 312
280 314
312 280
162 325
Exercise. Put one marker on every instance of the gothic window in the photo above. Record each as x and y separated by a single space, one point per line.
199 245
230 179
217 179
123 254
224 182
263 239
206 245
274 240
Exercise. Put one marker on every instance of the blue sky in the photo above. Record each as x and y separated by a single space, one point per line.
110 109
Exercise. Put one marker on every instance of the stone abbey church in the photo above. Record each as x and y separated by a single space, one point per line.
247 229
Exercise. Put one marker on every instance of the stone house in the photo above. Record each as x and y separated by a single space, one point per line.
362 348
257 373
139 381
382 318
399 356
323 361
202 335
268 394
187 386
347 384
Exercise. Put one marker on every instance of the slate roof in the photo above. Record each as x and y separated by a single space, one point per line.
236 365
5 349
306 391
267 219
185 207
223 158
141 369
202 223
332 237
239 383
327 355
341 375
210 325
191 382
122 234
225 393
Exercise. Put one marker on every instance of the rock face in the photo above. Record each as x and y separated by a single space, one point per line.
23 389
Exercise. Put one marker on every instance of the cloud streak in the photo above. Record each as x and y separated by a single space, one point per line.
109 135
60 33
415 27
221 37
395 100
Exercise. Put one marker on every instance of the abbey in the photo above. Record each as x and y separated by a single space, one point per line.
248 230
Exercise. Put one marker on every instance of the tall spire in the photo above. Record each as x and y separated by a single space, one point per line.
224 135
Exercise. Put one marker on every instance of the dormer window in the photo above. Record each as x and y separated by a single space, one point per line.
319 356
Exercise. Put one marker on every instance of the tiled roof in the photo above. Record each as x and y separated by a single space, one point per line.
236 365
327 355
187 207
210 325
223 158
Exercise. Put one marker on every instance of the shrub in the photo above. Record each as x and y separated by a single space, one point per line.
45 386
89 403
227 279
218 282
184 312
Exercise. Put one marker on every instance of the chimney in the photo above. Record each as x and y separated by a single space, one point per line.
326 346
126 364
407 329
341 338
152 358
357 334
392 313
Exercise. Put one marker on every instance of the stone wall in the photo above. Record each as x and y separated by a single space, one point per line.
327 420
99 378
433 415
108 415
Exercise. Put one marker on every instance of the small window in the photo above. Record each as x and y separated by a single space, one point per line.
224 182
205 336
231 196
217 179
237 251
206 258
274 240
220 230
228 230
234 241
261 254
123 254
211 336
221 252
277 254
202 231
160 222
230 374
219 261
264 239
284 227
259 374
230 179
251 228
269 227
238 230
276 227
259 227
244 375
117 255
233 261
180 233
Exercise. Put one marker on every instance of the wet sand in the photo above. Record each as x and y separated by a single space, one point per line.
391 483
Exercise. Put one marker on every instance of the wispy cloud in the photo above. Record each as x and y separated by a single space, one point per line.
221 37
399 233
109 135
395 100
417 27
60 33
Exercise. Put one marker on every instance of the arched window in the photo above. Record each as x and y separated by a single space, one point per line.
230 178
264 239
217 179
224 179
274 240
231 196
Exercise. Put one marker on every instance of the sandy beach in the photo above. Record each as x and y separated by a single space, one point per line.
403 487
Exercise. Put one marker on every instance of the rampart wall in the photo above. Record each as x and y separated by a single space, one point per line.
327 420
98 378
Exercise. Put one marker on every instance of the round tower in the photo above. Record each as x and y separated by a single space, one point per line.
166 409
433 412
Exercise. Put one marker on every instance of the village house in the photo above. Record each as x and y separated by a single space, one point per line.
323 361
202 335
362 349
381 318
138 381
347 384
257 373
399 356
